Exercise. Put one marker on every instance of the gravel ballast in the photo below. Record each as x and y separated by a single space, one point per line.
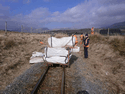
25 82
77 79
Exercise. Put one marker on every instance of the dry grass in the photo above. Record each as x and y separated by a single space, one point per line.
15 52
60 35
118 45
116 42
107 61
9 43
96 38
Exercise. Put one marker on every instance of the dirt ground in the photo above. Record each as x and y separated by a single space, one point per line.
106 61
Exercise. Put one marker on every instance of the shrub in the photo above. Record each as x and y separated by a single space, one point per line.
9 43
60 35
96 38
118 45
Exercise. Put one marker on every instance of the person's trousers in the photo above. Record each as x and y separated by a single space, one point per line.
86 52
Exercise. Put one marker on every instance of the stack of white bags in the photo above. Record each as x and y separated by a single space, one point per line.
57 54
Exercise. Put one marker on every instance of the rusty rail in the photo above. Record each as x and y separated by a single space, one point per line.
34 91
63 82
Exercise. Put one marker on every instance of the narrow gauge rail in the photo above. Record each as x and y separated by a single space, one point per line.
52 81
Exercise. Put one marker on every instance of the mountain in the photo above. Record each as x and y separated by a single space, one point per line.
29 30
120 25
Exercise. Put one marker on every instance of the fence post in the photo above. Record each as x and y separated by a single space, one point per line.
21 28
98 30
5 27
108 31
31 29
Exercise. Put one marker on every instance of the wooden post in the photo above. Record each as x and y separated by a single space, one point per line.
31 29
21 28
72 40
37 31
6 28
68 56
108 31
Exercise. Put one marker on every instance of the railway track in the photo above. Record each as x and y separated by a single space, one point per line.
52 81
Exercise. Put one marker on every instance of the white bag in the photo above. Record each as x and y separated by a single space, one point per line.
36 57
36 60
55 52
75 49
37 54
61 42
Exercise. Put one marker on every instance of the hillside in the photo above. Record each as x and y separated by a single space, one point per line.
28 29
120 25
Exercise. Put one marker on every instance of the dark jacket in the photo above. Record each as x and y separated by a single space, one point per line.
86 41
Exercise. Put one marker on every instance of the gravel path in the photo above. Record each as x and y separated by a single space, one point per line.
77 79
25 82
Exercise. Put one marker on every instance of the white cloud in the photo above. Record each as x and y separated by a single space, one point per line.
91 13
4 7
5 16
56 13
111 2
34 18
4 12
1 14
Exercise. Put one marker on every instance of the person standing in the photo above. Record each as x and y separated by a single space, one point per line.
81 37
86 45
92 30
76 41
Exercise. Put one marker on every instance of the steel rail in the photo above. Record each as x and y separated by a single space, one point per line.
34 91
63 82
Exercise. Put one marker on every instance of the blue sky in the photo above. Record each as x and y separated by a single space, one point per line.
61 13
25 7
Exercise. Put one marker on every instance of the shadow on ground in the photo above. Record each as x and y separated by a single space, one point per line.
72 59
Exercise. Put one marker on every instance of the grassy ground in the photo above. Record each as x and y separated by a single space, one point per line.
15 52
107 60
116 42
